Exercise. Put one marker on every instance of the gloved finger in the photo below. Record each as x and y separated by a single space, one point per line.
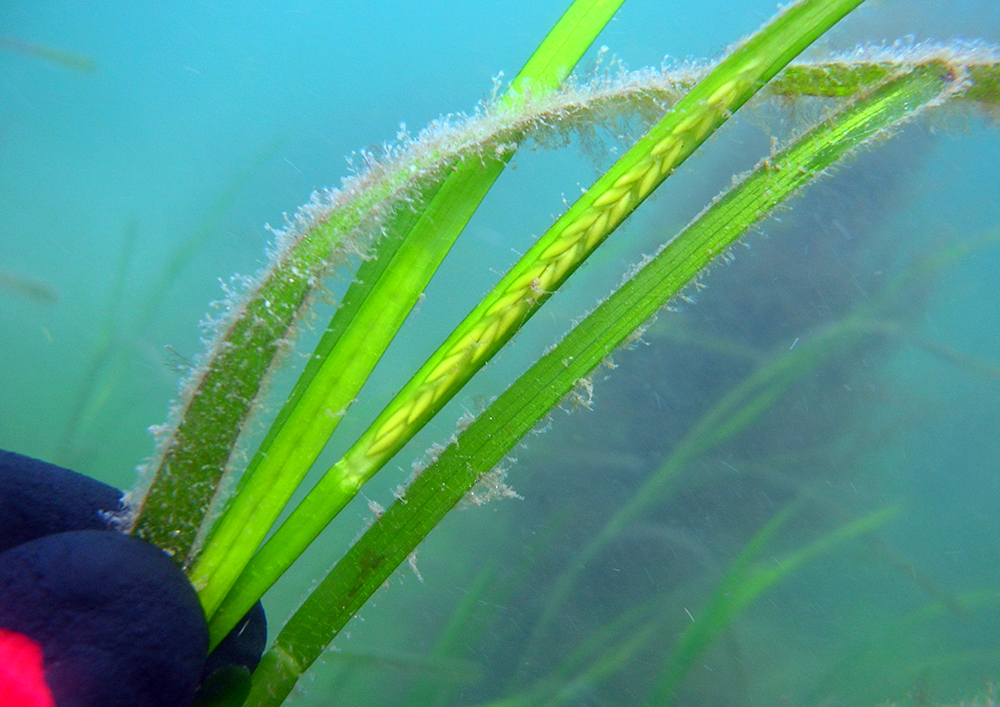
117 622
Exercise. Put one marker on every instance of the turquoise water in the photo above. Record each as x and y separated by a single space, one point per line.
202 124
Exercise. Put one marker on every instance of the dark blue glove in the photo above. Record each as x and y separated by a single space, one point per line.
90 617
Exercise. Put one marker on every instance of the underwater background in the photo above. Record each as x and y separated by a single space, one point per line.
130 186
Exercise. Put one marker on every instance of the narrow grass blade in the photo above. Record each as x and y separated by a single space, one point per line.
169 504
532 280
102 350
743 582
490 437
28 287
67 60
733 413
378 305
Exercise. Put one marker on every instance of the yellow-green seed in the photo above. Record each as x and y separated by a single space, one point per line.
421 405
443 383
560 246
723 96
665 145
648 182
581 224
385 441
479 352
688 124
524 284
390 431
701 130
447 366
629 178
670 159
511 316
559 267
621 208
611 195
597 230
488 335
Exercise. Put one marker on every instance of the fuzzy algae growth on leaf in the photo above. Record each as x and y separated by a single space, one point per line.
323 235
498 428
530 282
403 263
383 212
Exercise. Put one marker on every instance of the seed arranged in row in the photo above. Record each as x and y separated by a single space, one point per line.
557 256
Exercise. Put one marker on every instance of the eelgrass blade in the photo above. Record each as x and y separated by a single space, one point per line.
467 618
170 502
605 652
102 349
378 304
741 406
985 88
741 585
490 437
28 287
90 398
870 657
732 414
965 362
546 265
747 401
68 60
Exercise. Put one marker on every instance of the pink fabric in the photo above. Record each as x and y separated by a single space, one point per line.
22 674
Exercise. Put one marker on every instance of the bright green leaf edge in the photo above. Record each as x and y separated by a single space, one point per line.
178 487
394 536
545 266
387 289
169 504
